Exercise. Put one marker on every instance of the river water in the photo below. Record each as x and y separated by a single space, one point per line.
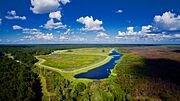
103 71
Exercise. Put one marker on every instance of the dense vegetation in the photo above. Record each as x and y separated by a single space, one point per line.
59 89
17 82
134 79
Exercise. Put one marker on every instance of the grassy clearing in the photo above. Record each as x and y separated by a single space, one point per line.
86 51
70 74
71 61
75 58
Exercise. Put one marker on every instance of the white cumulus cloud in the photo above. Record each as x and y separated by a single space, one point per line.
54 25
144 34
55 15
130 31
44 6
12 15
90 23
121 33
51 24
146 29
168 21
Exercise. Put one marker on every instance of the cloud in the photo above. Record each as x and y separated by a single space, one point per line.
177 35
73 39
146 29
162 29
133 35
119 11
54 25
165 27
120 34
32 31
35 34
78 39
40 36
0 21
129 32
90 23
27 30
168 21
64 2
162 36
67 32
16 27
102 35
55 15
12 15
63 38
45 36
145 34
44 6
66 35
51 24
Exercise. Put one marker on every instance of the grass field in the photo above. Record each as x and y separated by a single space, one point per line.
171 53
71 61
75 58
85 51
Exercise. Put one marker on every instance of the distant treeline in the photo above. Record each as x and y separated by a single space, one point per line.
25 53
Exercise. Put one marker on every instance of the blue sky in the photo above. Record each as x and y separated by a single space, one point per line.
90 21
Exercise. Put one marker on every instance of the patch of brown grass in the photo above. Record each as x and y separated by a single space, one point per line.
171 53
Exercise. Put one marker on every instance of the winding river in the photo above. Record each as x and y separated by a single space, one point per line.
103 71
